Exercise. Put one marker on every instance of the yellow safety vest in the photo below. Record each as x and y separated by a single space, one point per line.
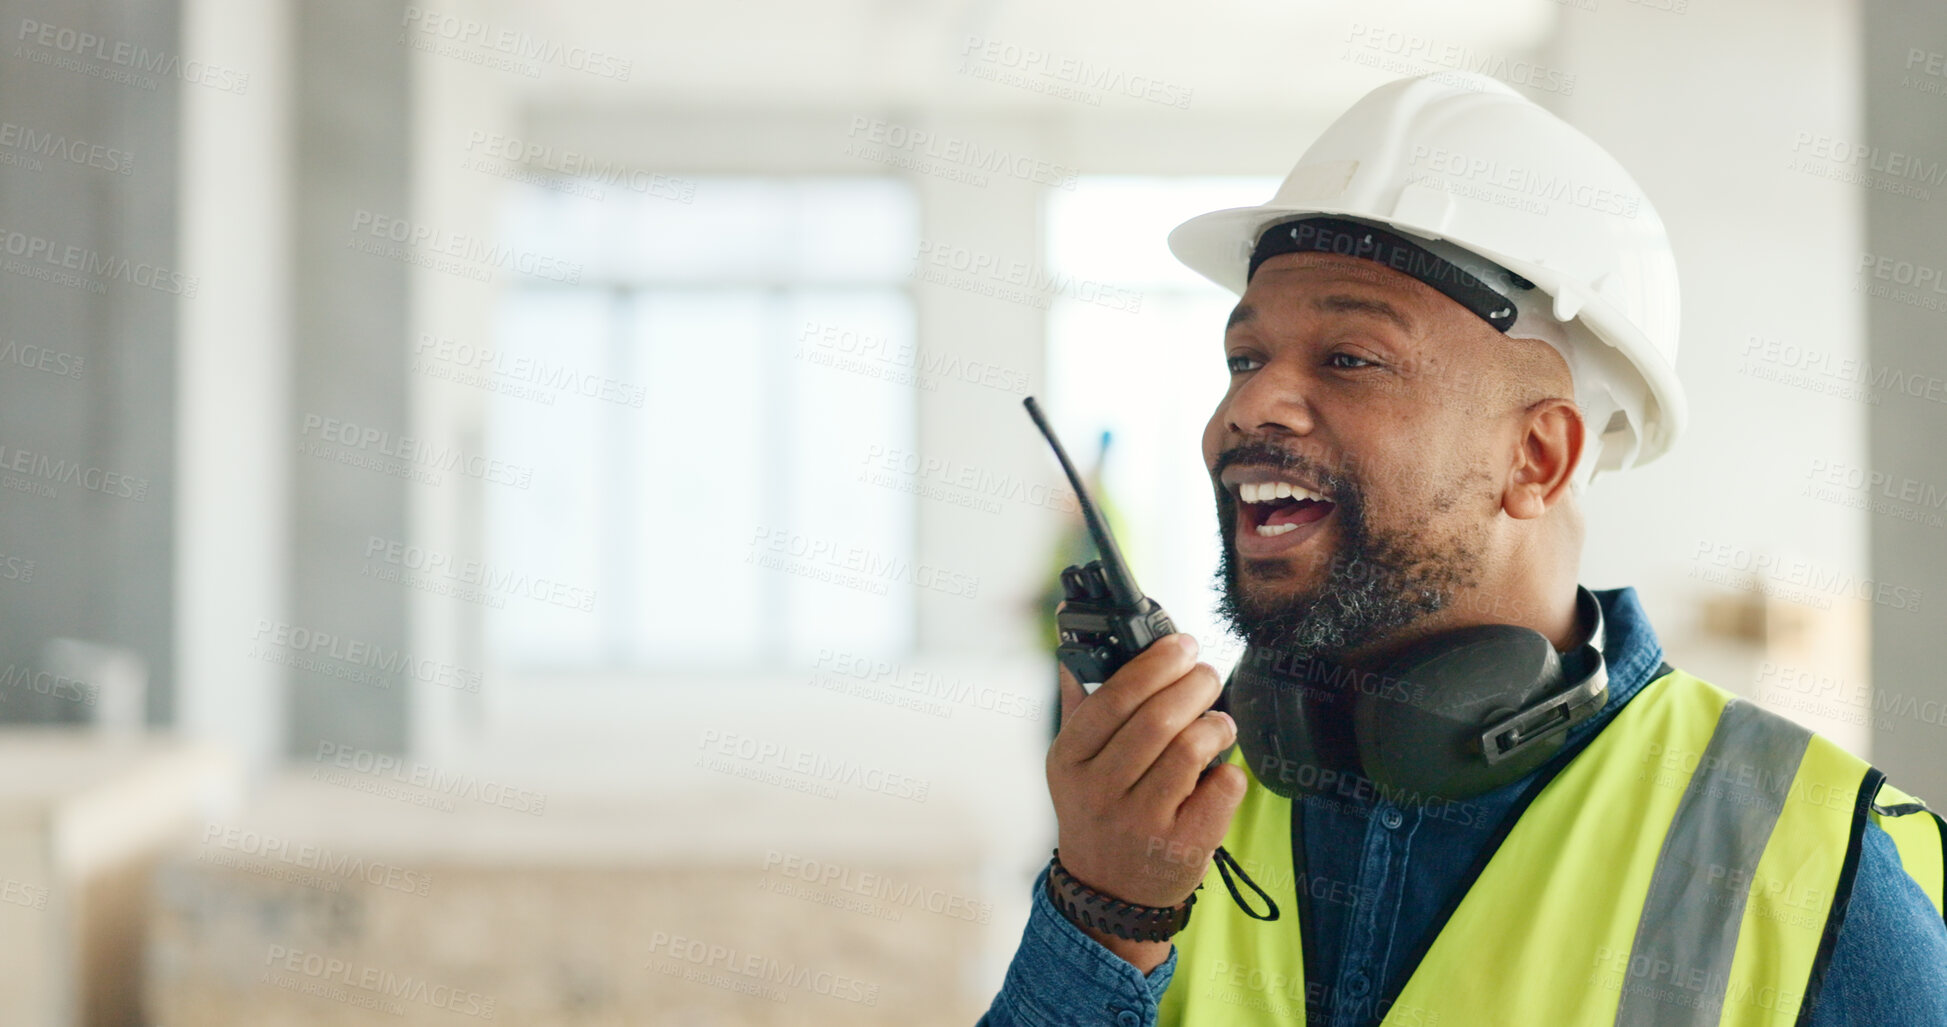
1682 868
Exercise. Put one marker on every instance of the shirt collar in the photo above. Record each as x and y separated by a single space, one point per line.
1630 649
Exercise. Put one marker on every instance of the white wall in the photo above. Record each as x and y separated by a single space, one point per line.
1703 107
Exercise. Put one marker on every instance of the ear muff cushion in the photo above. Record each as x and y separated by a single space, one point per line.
1419 728
1413 726
1293 720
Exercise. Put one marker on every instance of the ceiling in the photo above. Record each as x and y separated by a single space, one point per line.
1229 56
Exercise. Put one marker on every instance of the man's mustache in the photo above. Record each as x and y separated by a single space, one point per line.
1331 473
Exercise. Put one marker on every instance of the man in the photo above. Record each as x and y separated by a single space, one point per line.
1424 376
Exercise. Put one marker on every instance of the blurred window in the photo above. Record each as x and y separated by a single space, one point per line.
701 410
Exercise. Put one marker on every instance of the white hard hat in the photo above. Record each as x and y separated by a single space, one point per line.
1463 158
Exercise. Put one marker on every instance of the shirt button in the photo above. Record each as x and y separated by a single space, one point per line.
1356 985
1128 1018
1392 819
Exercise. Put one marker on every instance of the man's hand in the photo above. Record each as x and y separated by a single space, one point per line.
1138 817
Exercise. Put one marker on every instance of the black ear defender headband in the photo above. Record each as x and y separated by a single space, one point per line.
1467 286
1454 715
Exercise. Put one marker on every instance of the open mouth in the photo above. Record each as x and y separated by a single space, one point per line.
1272 508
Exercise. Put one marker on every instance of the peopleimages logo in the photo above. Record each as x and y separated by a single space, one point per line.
370 983
472 580
1526 183
1014 280
579 165
385 665
422 452
39 358
840 670
1412 52
118 54
851 566
21 678
1872 158
903 362
975 481
37 250
737 754
507 371
762 970
487 792
436 242
58 471
332 867
20 893
515 44
1796 580
1035 69
951 149
64 150
877 886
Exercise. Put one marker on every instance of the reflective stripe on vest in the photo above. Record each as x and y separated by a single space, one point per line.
1692 916
1682 868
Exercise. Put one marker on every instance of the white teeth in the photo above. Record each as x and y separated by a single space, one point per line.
1255 492
1268 530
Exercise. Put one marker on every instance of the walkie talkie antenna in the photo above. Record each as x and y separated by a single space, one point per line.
1121 583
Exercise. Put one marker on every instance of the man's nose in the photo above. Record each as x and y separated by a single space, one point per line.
1269 403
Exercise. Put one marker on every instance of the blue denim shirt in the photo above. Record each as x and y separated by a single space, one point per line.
1381 873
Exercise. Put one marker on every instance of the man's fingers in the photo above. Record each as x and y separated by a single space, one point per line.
1173 776
1102 715
1144 736
1071 692
1205 816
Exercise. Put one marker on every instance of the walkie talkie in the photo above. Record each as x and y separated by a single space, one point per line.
1104 620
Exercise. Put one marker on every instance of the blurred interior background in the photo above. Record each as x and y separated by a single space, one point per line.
525 512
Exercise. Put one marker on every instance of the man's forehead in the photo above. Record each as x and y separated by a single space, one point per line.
1335 285
1336 301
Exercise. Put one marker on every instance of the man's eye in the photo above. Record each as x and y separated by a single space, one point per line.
1233 361
1361 361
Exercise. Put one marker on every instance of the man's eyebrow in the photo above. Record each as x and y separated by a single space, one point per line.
1240 314
1339 303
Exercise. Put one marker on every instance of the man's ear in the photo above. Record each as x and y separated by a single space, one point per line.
1550 445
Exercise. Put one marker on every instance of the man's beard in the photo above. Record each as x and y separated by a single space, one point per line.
1378 583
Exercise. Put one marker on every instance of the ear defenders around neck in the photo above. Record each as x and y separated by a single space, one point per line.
1454 715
